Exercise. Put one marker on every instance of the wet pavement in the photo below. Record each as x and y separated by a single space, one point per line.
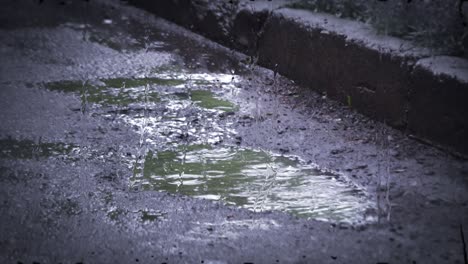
125 138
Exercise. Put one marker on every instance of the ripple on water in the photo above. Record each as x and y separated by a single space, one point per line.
185 153
256 180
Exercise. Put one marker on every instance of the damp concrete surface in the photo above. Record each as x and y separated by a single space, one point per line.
127 139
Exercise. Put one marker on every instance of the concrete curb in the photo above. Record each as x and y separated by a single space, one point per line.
385 78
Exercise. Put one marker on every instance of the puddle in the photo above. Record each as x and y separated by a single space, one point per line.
181 119
119 91
126 91
256 180
207 100
183 149
129 83
181 112
27 149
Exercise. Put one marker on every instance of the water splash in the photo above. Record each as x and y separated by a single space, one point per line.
256 180
184 121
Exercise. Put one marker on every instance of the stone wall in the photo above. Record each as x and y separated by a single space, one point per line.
378 76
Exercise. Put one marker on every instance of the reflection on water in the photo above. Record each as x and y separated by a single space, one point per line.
126 91
255 180
27 149
185 121
107 92
207 100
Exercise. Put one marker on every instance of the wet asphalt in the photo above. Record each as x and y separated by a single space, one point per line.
71 182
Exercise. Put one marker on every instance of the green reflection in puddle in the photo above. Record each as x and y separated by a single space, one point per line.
255 180
113 92
206 99
118 82
27 149
67 86
126 91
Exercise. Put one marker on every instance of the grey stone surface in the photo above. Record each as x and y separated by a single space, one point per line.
79 208
345 59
